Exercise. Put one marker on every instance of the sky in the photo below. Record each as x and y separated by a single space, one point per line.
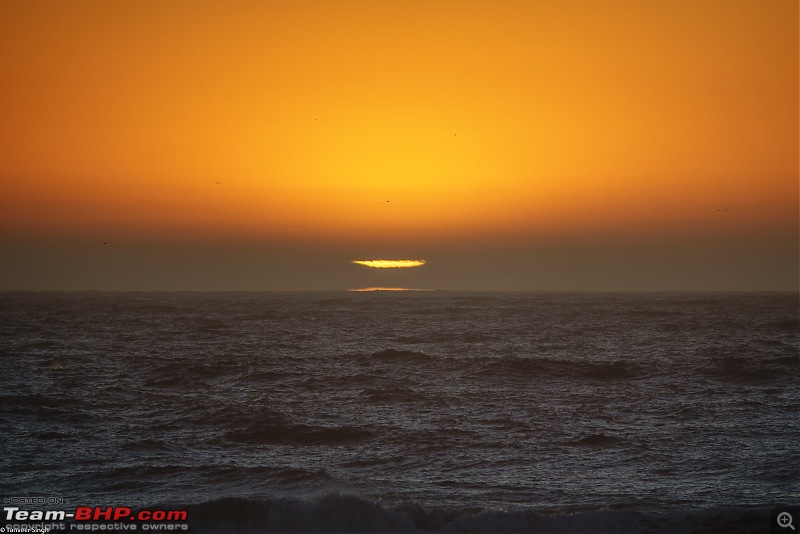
511 145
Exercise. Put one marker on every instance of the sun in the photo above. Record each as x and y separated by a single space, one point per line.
390 264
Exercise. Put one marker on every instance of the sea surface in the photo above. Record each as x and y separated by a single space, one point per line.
407 411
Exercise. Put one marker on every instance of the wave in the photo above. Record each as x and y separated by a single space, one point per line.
617 370
185 369
751 370
38 402
131 476
391 394
399 356
348 513
277 432
46 407
532 368
596 440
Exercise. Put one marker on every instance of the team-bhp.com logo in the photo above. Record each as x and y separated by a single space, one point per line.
86 517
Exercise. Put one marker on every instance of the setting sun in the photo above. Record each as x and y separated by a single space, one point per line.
390 264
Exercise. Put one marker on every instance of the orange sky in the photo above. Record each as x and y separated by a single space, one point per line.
398 122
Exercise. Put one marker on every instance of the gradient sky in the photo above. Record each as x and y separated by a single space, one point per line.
532 145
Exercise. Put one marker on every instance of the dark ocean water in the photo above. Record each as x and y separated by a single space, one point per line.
403 412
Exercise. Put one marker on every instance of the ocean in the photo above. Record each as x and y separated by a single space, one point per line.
406 411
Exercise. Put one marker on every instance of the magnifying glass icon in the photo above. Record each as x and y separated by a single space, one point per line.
785 520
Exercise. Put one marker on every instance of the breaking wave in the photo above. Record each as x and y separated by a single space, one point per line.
348 513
